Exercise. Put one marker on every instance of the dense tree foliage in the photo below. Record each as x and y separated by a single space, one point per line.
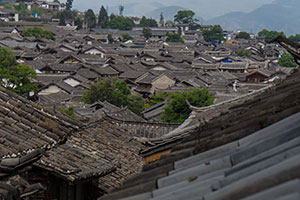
243 35
38 32
103 18
121 23
66 14
161 19
126 37
69 4
177 109
90 18
185 17
13 76
116 92
287 60
214 33
269 35
147 33
147 22
121 10
62 21
78 23
174 37
21 8
295 38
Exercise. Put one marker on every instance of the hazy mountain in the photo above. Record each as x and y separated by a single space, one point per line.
168 12
136 9
282 15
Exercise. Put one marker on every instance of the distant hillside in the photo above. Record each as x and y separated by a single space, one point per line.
282 15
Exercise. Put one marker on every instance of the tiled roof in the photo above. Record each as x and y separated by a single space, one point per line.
247 147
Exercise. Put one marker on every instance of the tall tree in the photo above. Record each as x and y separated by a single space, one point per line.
69 4
78 23
114 91
62 21
103 19
90 18
174 37
121 10
121 23
148 22
185 17
214 33
270 35
161 19
243 35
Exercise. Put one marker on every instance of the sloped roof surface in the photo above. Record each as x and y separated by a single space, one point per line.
244 148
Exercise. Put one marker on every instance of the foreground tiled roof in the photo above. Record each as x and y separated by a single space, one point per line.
226 152
110 144
75 152
26 126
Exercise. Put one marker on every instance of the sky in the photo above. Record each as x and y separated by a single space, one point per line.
204 8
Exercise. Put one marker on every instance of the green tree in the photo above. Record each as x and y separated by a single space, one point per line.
295 38
148 22
121 10
214 33
38 32
243 35
56 1
126 37
103 19
69 4
114 91
90 18
121 23
9 6
14 77
177 109
147 33
78 23
174 37
270 35
135 104
287 60
22 8
159 98
185 17
161 19
62 21
66 14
